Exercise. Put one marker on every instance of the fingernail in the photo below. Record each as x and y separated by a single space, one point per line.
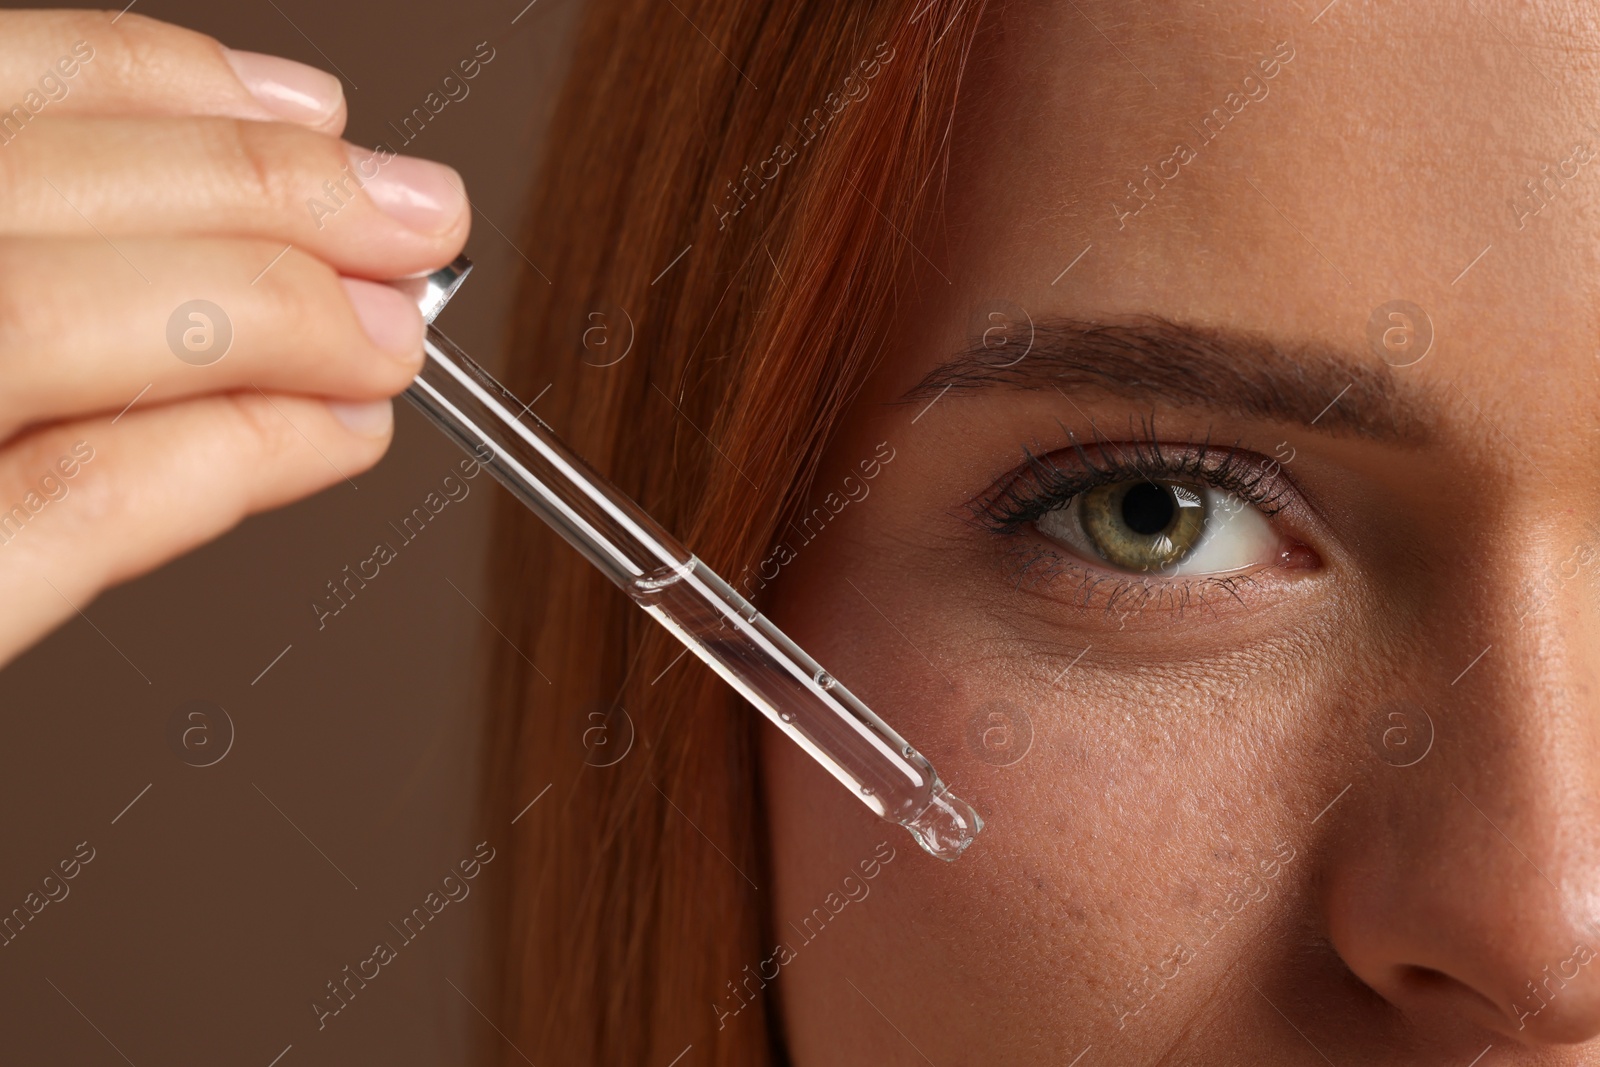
290 90
372 419
421 194
389 317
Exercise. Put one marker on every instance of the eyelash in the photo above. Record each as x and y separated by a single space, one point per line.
1042 485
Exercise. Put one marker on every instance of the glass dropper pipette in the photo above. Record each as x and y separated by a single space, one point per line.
824 718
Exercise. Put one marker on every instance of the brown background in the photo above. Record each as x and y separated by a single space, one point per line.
220 904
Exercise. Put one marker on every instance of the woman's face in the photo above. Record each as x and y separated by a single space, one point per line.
1278 692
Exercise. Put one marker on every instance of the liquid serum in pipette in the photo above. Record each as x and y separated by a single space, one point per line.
826 720
807 703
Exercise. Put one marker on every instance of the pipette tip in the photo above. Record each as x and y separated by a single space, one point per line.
946 826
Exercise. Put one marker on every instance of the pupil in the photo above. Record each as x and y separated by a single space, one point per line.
1147 509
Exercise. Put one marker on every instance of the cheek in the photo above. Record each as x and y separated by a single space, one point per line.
1037 889
1123 805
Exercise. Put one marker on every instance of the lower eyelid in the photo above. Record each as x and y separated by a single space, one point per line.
1043 571
1032 566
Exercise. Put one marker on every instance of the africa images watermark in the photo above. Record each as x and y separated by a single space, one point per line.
54 86
811 524
454 490
454 89
51 488
853 90
854 888
1539 592
1141 991
453 888
55 889
338 193
1210 126
1541 193
1553 984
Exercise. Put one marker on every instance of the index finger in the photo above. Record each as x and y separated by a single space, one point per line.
110 64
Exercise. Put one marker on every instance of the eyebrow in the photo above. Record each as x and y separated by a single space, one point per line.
1147 357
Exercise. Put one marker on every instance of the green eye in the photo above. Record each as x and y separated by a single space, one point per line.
1142 525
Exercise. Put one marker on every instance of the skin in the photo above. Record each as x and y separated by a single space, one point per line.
1233 754
173 181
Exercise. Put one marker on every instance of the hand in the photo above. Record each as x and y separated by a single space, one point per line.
144 167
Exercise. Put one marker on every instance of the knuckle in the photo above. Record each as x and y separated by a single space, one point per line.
304 308
135 48
262 430
52 464
140 51
256 161
302 305
98 499
282 166
290 295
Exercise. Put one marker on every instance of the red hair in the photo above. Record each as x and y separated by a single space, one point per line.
791 148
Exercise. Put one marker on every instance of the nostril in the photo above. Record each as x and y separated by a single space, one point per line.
1435 988
1424 979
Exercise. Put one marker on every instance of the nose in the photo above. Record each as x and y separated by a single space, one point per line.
1463 888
